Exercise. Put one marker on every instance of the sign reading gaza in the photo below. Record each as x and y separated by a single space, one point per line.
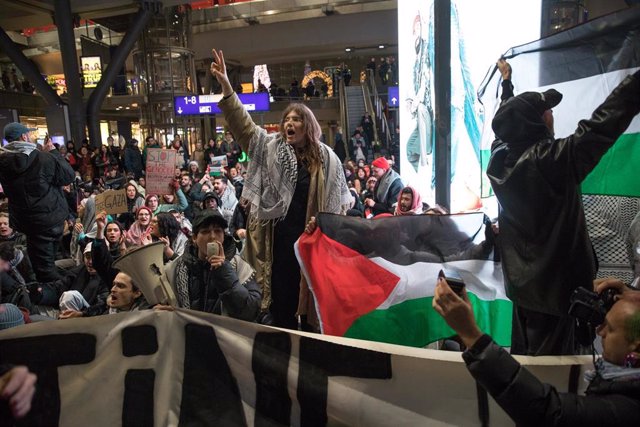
208 104
112 201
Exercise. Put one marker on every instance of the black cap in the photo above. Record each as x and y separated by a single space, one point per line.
542 101
207 218
212 195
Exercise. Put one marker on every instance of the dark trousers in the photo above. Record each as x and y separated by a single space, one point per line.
541 334
42 248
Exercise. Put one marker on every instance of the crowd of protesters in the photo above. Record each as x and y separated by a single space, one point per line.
259 212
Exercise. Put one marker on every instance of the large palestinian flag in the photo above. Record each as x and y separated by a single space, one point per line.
375 279
585 64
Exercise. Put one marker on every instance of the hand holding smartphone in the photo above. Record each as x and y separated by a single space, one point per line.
213 249
454 281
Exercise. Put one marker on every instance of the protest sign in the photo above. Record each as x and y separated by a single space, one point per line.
161 165
112 201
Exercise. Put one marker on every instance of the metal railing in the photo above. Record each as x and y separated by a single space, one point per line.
375 106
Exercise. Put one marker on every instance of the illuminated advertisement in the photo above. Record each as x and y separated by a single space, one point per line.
480 33
57 83
91 70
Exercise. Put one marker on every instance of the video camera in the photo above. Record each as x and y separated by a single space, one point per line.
590 307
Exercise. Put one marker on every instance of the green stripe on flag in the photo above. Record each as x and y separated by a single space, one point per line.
415 323
617 172
486 190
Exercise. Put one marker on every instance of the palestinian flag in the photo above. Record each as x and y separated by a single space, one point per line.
375 279
583 63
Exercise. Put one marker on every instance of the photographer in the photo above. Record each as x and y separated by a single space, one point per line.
613 395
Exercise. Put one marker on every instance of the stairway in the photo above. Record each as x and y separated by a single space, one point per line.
355 108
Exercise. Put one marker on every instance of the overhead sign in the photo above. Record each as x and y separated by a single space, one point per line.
208 104
393 97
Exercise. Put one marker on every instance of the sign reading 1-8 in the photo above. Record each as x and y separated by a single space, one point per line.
208 104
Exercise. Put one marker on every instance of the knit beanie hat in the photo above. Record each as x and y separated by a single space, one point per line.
381 163
10 316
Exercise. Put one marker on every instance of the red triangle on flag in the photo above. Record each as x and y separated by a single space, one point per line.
345 284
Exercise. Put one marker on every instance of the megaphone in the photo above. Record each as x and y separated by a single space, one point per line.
146 268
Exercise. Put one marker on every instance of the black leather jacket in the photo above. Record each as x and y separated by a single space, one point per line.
545 249
530 402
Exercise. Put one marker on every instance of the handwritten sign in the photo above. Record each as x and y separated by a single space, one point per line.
112 201
161 164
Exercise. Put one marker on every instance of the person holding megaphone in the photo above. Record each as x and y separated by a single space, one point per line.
209 276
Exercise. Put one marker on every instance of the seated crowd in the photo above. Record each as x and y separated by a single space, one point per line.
202 224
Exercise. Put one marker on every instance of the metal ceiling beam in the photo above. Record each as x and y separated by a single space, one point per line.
29 70
117 61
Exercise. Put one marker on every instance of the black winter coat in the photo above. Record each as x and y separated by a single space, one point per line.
217 291
530 402
33 183
545 249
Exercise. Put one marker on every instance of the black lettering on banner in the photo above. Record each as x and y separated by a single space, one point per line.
270 363
137 407
43 355
321 359
210 394
138 383
139 340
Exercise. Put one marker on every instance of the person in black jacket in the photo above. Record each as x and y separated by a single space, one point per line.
82 287
133 159
33 180
221 283
544 246
613 395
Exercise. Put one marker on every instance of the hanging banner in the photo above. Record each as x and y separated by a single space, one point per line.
191 368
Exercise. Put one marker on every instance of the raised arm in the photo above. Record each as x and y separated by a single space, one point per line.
507 86
239 121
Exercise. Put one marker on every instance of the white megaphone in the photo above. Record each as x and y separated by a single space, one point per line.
146 268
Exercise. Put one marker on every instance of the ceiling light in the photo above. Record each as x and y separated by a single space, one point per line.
348 49
380 46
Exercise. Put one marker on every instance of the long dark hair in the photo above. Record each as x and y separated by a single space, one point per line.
309 153
168 226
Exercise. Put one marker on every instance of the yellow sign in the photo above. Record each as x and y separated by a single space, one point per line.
91 70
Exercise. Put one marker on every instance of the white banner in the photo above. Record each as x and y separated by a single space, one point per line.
190 368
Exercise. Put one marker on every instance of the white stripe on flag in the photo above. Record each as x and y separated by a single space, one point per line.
482 278
581 97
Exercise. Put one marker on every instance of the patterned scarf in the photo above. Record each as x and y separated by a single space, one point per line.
272 175
416 204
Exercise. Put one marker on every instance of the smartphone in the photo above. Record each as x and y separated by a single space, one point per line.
213 249
454 280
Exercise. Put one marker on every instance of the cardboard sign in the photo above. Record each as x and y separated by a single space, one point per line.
112 201
161 165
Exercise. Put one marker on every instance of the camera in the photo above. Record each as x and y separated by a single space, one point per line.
591 307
